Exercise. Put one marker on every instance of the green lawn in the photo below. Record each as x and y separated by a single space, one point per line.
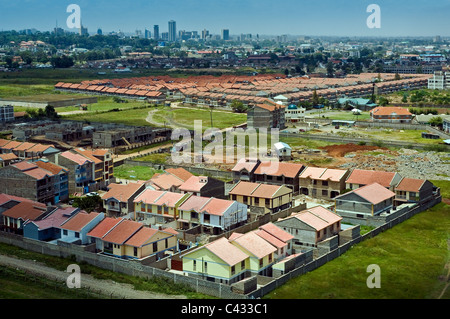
186 117
411 257
135 172
16 284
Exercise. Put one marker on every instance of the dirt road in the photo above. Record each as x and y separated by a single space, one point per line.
105 287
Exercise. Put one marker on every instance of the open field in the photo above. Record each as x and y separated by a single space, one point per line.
134 172
17 284
411 256
161 115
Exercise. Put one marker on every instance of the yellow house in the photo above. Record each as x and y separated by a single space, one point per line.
260 252
217 261
148 241
272 197
113 242
152 206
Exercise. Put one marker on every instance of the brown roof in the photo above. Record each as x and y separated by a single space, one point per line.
51 167
104 227
141 237
365 177
279 169
26 211
80 220
180 172
410 185
122 232
122 192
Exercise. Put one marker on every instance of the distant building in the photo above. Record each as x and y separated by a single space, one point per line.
172 31
99 31
439 81
391 114
267 116
294 113
6 113
156 32
225 34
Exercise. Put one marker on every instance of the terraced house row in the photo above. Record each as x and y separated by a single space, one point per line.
322 183
222 91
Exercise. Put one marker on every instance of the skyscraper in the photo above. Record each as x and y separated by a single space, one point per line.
225 34
156 32
172 30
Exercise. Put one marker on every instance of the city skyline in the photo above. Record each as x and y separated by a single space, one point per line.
264 17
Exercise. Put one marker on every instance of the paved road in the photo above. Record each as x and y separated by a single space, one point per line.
105 287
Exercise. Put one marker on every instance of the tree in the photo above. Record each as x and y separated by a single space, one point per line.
315 98
330 70
88 203
397 76
51 113
238 106
436 121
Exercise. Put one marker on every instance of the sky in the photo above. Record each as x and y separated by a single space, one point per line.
264 17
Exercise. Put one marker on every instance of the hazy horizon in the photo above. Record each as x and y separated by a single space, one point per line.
338 18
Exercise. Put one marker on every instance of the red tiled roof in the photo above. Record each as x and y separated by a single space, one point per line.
102 228
365 177
410 185
122 232
26 210
79 221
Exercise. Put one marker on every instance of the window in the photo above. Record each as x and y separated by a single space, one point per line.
194 265
324 192
135 251
77 235
65 232
206 267
261 262
155 247
167 242
270 258
324 183
233 270
243 264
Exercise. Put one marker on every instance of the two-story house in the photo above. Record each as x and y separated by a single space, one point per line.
370 200
361 177
214 214
119 200
324 183
271 198
153 207
310 226
279 173
413 190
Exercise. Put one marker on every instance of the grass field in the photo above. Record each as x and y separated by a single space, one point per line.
17 288
135 172
16 284
411 257
183 117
